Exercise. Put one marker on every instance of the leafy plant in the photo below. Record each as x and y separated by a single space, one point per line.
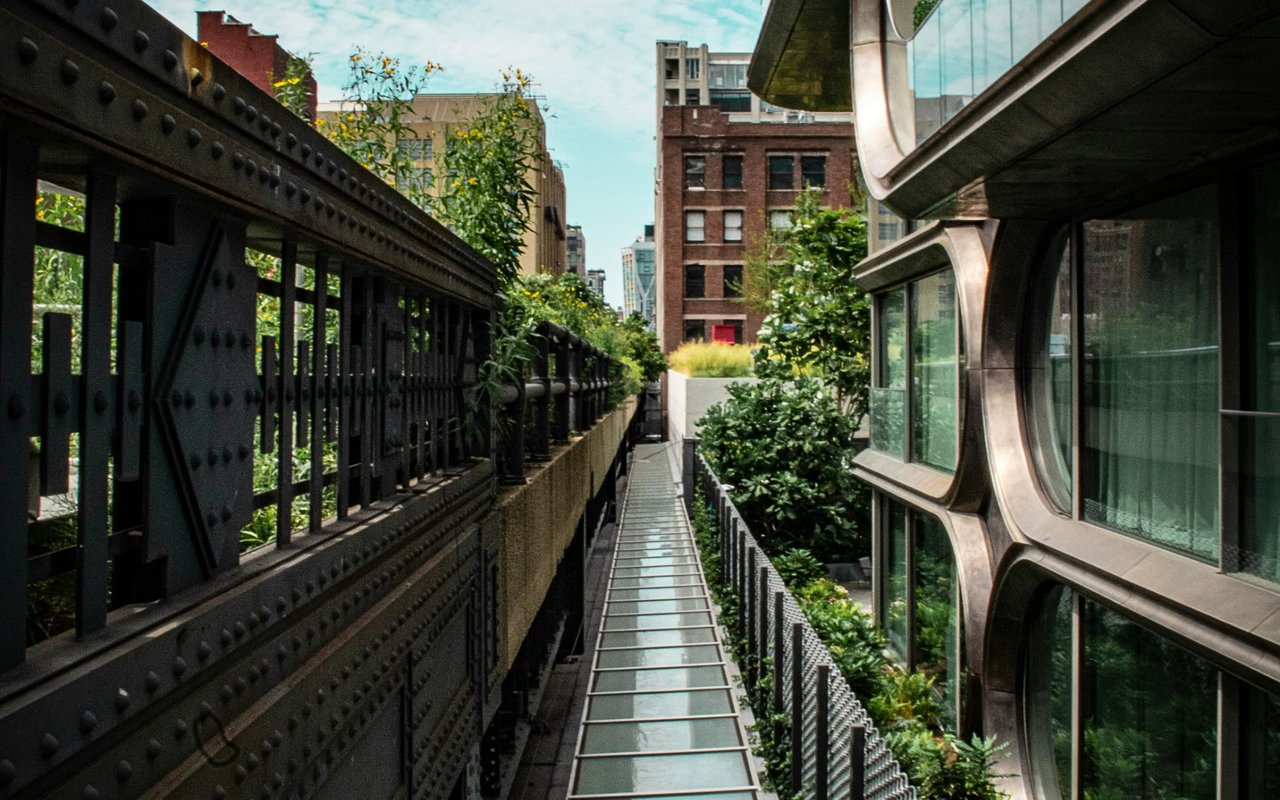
783 447
709 360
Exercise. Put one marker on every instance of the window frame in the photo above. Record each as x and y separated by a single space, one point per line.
732 289
695 171
701 271
779 158
689 215
735 158
821 183
702 335
910 287
727 228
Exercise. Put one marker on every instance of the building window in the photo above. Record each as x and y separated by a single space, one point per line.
919 601
695 172
780 219
733 226
1138 738
731 172
692 97
692 68
730 100
813 171
736 324
695 280
672 69
415 149
727 76
1149 464
781 169
671 97
695 225
695 330
733 280
915 395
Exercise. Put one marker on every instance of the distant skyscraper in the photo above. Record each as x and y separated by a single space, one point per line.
576 245
638 272
595 281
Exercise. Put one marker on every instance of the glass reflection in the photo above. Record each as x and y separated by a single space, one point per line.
935 370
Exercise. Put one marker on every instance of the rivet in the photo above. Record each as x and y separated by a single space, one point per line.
170 59
179 667
99 401
193 137
216 150
28 51
124 771
140 41
153 749
264 123
49 745
240 630
290 189
250 113
241 773
226 512
306 152
152 682
180 728
291 141
275 129
196 77
237 161
253 761
203 650
168 123
140 110
250 167
219 92
70 72
88 721
122 700
219 792
17 407
225 693
90 792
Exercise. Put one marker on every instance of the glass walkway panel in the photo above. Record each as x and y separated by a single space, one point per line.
661 720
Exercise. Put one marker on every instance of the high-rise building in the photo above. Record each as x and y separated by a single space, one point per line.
1075 405
257 56
576 250
638 273
595 281
434 118
729 168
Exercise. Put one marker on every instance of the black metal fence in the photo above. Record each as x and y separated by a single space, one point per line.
567 390
836 751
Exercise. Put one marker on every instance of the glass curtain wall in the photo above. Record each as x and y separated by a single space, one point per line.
1259 422
919 602
915 397
1147 720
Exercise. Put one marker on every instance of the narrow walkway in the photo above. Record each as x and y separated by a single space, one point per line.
661 718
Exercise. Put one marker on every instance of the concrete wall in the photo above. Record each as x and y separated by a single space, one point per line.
537 522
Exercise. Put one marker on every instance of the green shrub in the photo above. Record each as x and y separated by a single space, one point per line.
707 360
798 567
783 446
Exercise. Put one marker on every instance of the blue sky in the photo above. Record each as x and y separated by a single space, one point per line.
592 60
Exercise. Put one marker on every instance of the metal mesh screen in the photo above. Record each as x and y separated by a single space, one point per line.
884 778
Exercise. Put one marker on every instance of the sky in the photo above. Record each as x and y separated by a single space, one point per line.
593 62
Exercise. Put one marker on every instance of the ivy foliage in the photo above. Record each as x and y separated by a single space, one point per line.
818 320
783 446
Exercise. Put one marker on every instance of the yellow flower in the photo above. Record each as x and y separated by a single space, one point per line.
472 181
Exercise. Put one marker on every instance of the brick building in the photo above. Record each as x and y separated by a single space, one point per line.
257 56
721 184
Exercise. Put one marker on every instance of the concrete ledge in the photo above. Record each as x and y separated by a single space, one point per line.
537 522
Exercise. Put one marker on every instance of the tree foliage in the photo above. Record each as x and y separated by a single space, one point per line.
819 320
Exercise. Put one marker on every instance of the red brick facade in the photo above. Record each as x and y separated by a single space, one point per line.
706 131
257 56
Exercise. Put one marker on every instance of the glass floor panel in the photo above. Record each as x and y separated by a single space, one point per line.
655 593
680 734
612 623
656 606
664 773
658 657
659 704
632 680
708 795
655 571
667 581
657 638
659 559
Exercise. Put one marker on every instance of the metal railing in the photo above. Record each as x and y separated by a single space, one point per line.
836 751
567 390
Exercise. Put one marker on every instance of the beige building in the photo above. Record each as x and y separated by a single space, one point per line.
434 119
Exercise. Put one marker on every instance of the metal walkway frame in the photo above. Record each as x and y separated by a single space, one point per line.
661 719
